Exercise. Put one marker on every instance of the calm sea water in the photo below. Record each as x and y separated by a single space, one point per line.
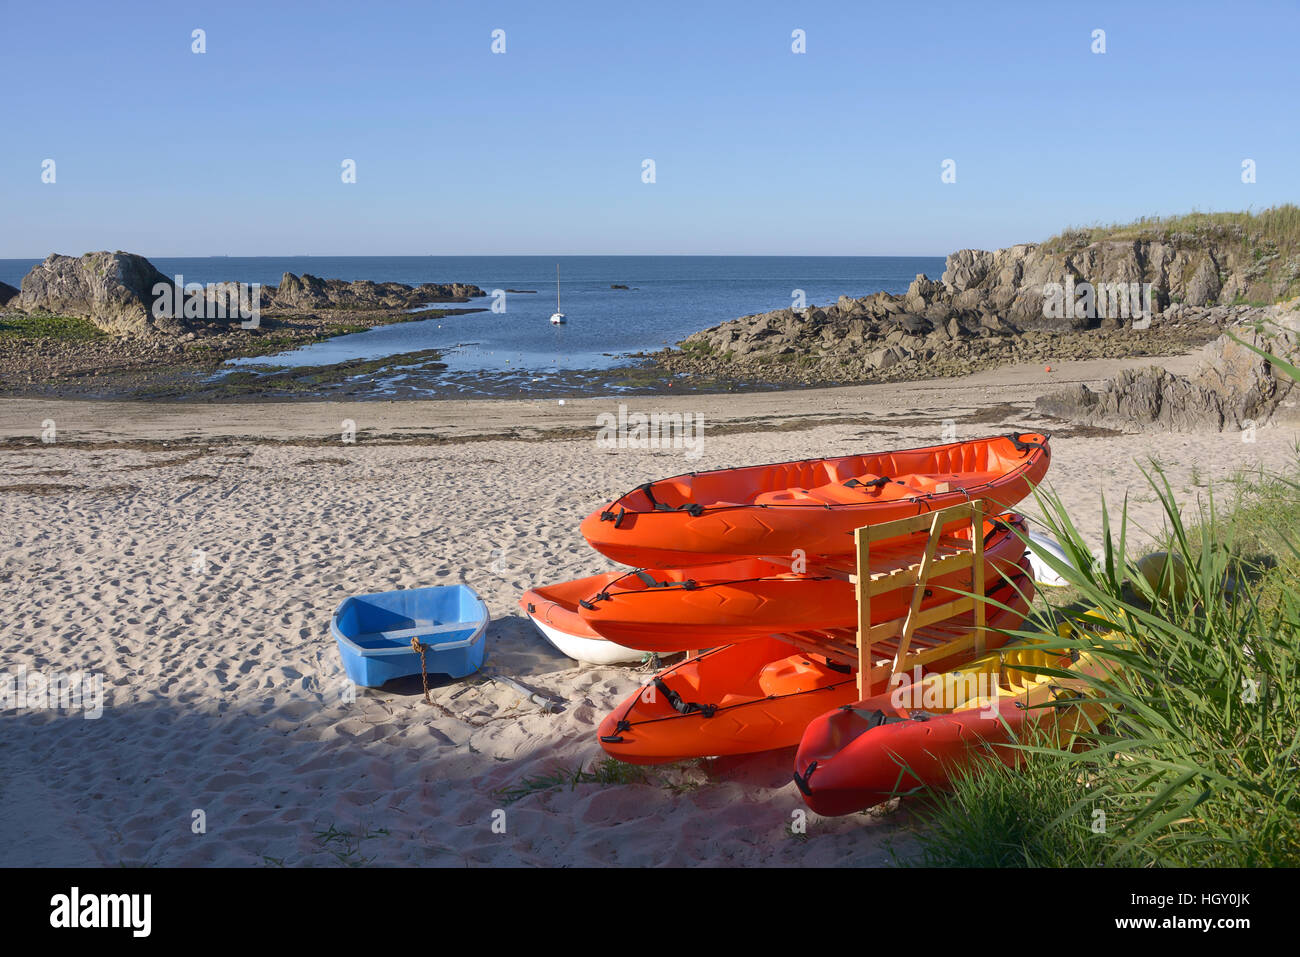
671 297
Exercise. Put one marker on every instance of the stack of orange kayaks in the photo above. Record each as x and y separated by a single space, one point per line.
760 694
720 560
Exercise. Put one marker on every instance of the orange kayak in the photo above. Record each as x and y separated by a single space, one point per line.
760 694
810 506
668 610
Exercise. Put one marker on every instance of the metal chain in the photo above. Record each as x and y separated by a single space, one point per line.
424 675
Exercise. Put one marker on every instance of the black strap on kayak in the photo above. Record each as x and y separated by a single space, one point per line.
1001 523
695 510
874 483
616 737
599 596
690 584
684 707
609 516
1026 446
839 666
801 782
647 487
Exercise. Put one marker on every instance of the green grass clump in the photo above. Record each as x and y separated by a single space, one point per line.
1196 760
995 816
69 328
1279 225
606 771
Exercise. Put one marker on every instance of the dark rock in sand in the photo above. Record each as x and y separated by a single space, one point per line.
1140 398
1232 387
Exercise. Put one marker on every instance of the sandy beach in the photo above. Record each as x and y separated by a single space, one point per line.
192 555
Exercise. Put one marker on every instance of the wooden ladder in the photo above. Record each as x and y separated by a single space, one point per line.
923 635
942 555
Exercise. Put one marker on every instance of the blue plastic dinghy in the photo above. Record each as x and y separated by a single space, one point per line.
374 633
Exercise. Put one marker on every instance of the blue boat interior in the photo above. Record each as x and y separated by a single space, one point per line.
389 620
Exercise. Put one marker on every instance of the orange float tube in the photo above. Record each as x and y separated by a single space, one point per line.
861 754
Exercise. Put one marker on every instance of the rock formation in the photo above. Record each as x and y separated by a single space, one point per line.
998 306
1232 387
115 291
7 292
311 292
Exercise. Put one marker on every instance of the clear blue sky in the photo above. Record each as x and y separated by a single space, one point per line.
758 150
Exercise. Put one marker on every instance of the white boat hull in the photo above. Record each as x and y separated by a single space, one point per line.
593 651
1044 574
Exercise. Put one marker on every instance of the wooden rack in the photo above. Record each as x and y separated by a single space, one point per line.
923 635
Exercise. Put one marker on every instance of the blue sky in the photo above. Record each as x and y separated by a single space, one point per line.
758 150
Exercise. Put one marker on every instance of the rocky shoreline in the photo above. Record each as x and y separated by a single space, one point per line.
88 326
1120 299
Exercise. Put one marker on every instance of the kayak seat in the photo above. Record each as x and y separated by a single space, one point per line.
930 482
786 496
832 493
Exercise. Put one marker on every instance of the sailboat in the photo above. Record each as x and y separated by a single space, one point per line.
557 318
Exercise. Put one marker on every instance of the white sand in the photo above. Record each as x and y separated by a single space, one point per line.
224 691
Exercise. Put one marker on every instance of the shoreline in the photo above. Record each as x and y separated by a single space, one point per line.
480 419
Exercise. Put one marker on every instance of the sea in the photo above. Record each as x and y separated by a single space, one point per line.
667 299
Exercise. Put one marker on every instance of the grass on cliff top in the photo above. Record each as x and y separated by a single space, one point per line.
1269 240
19 326
1279 225
1196 760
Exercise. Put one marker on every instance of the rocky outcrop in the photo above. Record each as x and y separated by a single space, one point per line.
1233 386
1014 281
115 291
1068 299
311 292
7 293
1140 398
923 333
